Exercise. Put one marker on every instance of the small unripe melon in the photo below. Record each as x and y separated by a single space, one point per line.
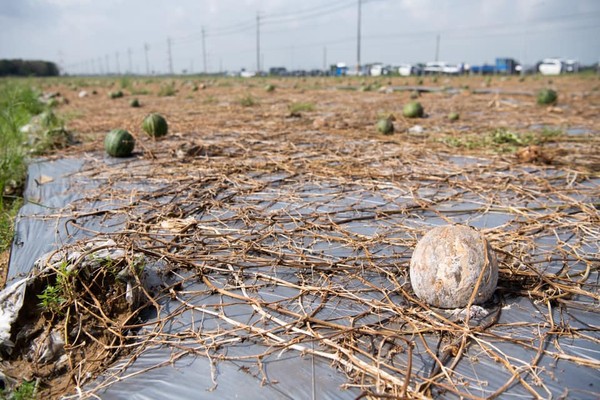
155 125
385 126
414 109
547 96
447 263
453 116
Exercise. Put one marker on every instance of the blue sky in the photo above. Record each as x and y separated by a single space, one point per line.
88 35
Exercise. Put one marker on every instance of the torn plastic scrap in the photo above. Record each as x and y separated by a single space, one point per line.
11 301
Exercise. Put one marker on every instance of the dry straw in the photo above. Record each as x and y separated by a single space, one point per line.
302 245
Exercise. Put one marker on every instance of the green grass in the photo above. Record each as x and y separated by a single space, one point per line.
503 140
140 91
18 104
56 295
167 89
210 99
7 216
125 82
301 107
248 101
25 391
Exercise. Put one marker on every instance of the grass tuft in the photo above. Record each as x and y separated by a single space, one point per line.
301 107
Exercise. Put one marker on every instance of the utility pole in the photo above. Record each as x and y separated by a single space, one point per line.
129 57
257 42
100 67
170 57
204 49
146 48
107 65
437 48
325 58
118 68
358 37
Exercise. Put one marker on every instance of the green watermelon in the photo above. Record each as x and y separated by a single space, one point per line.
547 96
414 109
155 125
385 126
119 143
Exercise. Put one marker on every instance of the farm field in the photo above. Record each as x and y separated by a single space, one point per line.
263 245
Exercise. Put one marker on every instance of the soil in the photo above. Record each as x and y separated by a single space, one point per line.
499 120
341 106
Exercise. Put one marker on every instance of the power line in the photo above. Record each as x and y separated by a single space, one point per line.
307 10
534 26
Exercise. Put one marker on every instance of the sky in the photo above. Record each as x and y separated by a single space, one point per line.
183 36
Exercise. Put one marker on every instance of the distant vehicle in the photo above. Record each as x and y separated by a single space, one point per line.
278 71
357 72
502 66
506 66
441 67
378 70
526 69
551 66
316 72
571 66
247 74
339 69
409 69
485 69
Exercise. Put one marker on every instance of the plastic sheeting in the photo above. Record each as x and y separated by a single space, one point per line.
42 227
172 372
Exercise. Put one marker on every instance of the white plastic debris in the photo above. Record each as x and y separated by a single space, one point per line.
474 312
416 130
11 302
47 347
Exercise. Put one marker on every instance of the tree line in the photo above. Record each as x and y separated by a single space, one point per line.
28 68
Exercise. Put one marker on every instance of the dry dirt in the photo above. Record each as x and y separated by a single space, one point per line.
505 103
301 110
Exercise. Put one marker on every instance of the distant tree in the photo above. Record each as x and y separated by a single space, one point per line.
28 68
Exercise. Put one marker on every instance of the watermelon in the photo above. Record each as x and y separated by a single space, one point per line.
547 96
119 143
414 109
155 125
385 126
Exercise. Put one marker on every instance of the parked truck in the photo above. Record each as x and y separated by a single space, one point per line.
505 66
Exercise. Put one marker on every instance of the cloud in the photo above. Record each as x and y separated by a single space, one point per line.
393 30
